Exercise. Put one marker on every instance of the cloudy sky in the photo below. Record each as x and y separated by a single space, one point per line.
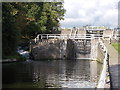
90 12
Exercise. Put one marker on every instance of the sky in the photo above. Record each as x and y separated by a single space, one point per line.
90 12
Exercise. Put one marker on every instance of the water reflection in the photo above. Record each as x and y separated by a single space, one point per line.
56 73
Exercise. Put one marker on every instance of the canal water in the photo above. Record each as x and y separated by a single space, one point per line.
51 74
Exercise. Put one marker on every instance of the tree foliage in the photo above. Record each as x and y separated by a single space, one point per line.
24 20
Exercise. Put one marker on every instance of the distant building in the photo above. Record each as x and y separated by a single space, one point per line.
97 30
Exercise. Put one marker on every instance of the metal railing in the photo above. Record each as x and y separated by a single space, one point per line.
102 80
65 36
71 32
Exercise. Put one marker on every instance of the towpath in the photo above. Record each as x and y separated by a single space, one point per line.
114 65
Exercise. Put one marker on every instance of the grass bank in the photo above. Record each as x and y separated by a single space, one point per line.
116 46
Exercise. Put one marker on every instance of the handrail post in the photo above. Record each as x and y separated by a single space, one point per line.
41 37
47 36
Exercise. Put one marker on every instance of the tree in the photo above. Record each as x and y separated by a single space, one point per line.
9 33
24 20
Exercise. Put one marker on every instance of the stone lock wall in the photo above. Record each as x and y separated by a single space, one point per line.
100 54
53 49
48 49
94 44
70 49
62 49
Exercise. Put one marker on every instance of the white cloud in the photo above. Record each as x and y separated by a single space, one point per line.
93 12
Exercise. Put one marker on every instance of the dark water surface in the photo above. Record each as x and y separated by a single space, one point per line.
51 74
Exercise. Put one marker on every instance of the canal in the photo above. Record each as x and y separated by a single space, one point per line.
51 74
